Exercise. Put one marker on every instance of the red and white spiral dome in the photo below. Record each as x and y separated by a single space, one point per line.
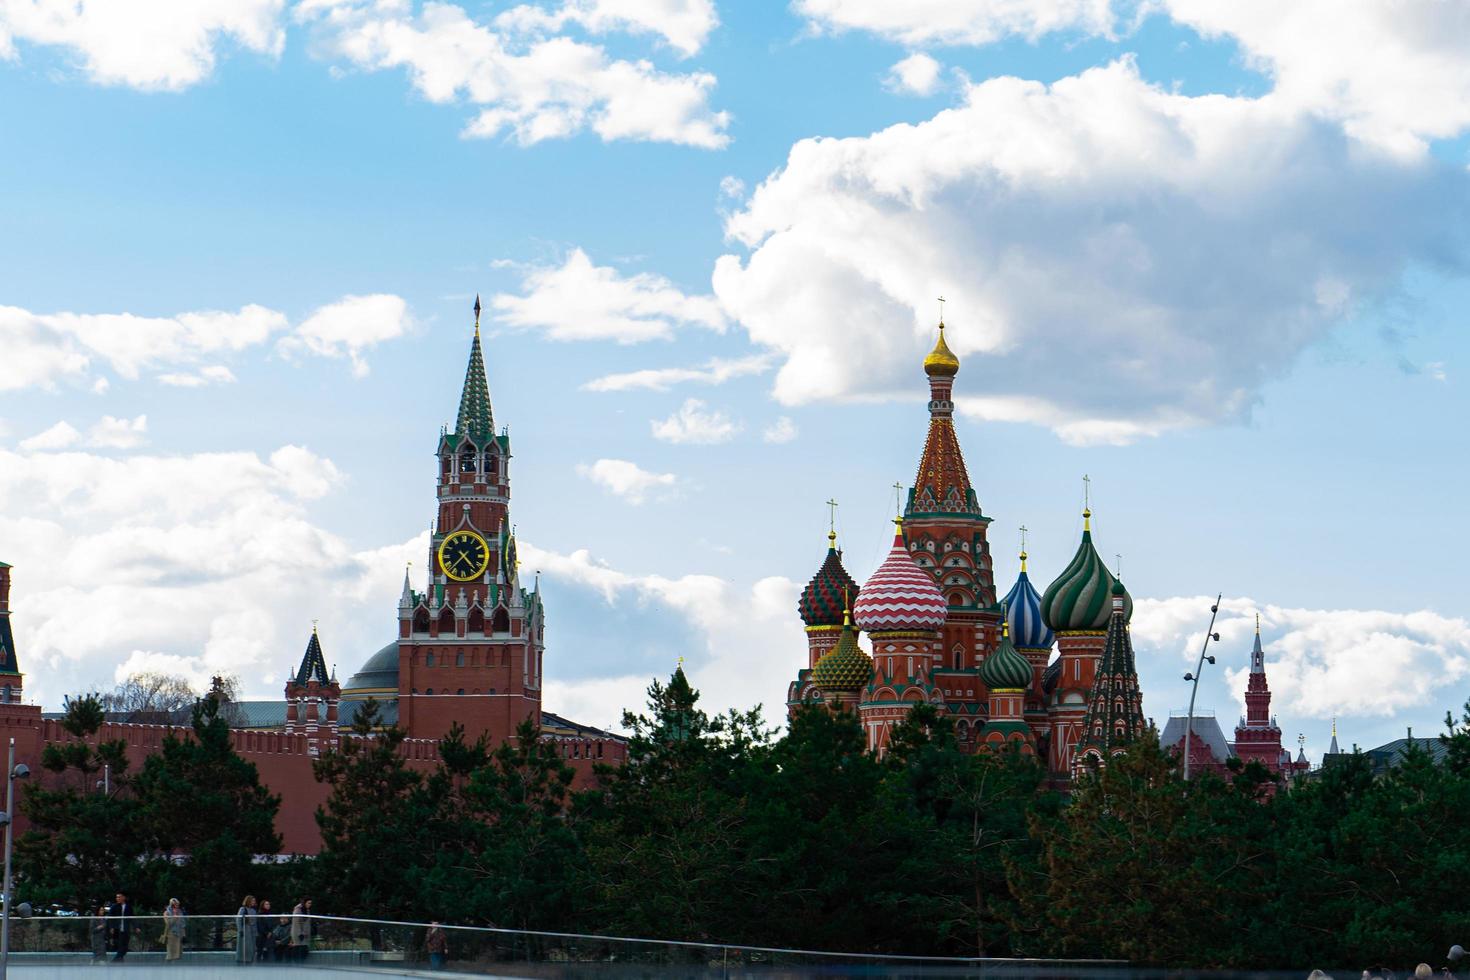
900 596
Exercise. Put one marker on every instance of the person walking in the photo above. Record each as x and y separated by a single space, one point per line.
281 939
245 931
300 929
120 920
263 922
437 943
173 930
100 929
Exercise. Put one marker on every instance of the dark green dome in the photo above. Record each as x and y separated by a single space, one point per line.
1005 669
1080 600
379 673
845 667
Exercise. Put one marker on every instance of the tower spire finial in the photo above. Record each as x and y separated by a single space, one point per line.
477 314
1258 624
832 522
1023 548
1086 502
941 313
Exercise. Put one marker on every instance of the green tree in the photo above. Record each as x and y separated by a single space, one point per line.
84 840
205 815
516 859
665 833
377 825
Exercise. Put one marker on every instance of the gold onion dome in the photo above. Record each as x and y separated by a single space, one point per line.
845 667
941 362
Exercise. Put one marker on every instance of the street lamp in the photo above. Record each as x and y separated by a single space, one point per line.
12 773
1210 634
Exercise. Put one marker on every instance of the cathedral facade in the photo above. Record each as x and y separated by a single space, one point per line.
939 634
468 648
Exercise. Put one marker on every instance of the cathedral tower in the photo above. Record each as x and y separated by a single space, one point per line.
823 606
1257 737
1033 641
470 646
1114 715
312 699
11 678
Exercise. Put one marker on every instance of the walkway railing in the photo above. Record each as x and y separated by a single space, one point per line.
349 942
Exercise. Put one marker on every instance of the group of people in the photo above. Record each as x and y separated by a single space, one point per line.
1421 972
260 936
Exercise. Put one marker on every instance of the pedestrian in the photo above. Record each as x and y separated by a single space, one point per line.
1318 975
437 943
281 939
300 929
120 919
264 921
173 930
245 931
100 930
1423 972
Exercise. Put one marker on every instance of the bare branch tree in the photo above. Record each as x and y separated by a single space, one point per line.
149 697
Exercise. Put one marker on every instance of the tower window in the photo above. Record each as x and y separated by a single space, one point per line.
459 661
460 691
429 690
429 662
467 465
491 468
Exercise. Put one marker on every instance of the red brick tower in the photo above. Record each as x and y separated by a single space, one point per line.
1257 737
11 679
470 646
945 531
822 607
312 697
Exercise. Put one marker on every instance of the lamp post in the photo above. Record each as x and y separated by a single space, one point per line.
1210 634
12 773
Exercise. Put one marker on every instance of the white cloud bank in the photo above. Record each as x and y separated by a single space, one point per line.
145 44
44 349
918 74
581 301
683 24
522 82
716 371
1121 260
956 22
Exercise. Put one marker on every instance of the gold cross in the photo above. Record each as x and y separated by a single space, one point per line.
941 309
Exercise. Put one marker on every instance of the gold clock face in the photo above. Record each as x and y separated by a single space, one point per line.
464 556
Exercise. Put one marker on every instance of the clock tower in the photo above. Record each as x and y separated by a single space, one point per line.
470 645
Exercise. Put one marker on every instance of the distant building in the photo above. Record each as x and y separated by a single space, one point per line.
1386 756
1257 737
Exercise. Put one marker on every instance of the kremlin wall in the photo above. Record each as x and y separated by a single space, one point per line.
469 647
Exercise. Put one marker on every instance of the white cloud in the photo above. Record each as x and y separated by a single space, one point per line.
693 425
1122 260
781 431
44 349
212 374
625 479
536 87
115 433
716 371
683 24
349 327
918 74
581 301
145 44
1321 663
59 436
209 558
753 639
1394 74
917 22
731 186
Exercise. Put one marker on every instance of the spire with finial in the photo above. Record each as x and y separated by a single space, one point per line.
313 664
941 362
821 602
1332 749
475 417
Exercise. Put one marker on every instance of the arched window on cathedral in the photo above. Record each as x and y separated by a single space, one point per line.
444 464
446 622
428 660
459 661
501 621
421 621
492 468
467 467
477 620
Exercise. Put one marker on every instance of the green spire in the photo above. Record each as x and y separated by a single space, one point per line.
475 418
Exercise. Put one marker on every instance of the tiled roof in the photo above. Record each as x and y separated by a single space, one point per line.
1206 730
942 484
475 418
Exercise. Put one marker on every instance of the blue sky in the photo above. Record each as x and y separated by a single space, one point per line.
1213 258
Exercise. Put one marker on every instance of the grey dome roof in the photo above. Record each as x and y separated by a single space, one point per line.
380 671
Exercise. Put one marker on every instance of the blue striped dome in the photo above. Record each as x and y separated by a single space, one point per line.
1023 614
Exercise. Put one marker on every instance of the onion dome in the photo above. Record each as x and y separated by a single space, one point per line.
829 591
1078 601
941 362
900 596
1051 676
845 667
1005 669
1023 614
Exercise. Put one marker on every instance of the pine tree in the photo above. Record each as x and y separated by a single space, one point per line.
206 815
84 841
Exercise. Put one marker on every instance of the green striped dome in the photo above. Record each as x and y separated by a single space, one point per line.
844 667
1005 669
1080 598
